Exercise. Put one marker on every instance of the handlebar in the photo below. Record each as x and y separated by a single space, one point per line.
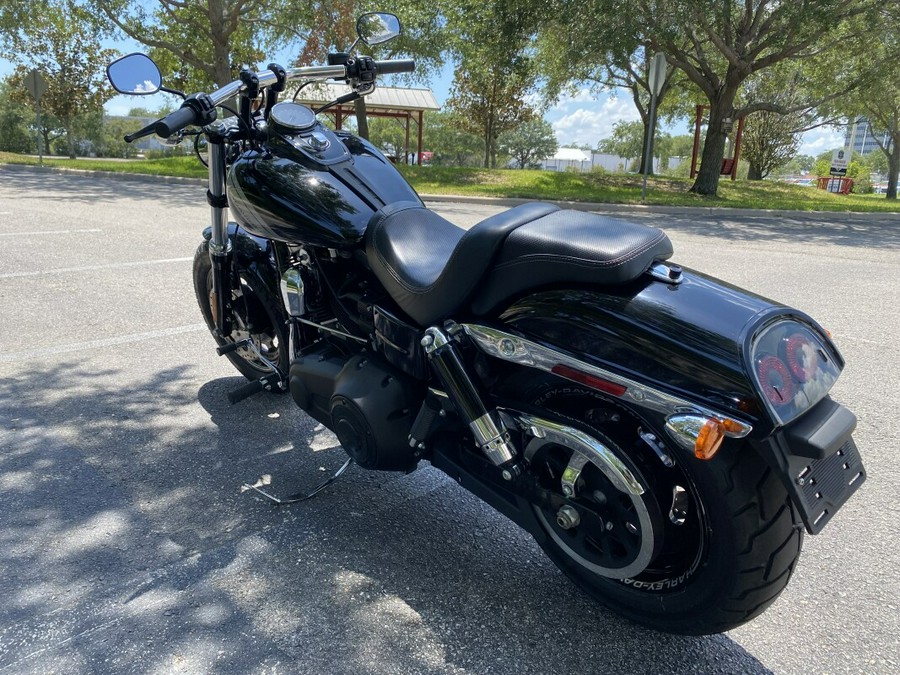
175 122
187 115
398 66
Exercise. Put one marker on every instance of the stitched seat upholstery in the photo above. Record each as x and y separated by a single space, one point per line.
431 267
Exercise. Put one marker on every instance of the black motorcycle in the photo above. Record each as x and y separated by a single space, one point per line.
664 436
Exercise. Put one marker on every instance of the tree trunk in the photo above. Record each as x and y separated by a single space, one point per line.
70 139
644 149
488 135
218 25
754 172
893 171
707 181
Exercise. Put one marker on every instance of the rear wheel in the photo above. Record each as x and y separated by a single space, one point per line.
723 536
254 316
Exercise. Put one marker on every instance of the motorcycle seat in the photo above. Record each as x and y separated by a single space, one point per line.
431 267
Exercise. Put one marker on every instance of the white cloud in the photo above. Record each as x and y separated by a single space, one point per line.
589 125
817 141
581 96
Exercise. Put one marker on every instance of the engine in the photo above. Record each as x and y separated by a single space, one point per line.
369 404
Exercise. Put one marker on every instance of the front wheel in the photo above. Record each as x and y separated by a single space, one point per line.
722 537
254 316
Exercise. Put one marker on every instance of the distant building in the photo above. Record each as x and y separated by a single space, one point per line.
573 159
865 142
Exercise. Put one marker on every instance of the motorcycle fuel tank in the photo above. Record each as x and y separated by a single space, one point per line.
315 187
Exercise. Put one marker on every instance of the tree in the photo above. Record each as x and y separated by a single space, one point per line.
529 142
451 146
719 44
14 134
627 140
494 70
65 46
879 102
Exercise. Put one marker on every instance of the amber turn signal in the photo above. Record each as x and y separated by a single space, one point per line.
710 438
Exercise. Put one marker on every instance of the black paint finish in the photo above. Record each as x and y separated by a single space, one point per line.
292 194
687 338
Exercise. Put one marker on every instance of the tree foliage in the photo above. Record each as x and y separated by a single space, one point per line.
450 144
720 44
772 138
66 47
495 72
627 140
878 100
14 132
529 142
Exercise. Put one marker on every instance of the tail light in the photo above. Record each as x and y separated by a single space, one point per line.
793 368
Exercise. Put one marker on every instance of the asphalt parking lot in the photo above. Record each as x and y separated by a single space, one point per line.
126 545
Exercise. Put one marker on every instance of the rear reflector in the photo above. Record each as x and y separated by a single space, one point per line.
589 380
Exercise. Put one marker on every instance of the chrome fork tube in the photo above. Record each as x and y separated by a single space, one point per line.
218 244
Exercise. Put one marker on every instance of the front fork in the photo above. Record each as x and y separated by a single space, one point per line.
219 245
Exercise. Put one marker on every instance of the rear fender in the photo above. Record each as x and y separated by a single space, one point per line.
689 340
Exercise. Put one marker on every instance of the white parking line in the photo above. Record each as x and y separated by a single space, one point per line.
29 234
92 268
42 352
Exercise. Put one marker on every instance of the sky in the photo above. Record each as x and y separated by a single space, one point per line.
582 118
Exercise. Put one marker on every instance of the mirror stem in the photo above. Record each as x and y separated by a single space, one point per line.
174 91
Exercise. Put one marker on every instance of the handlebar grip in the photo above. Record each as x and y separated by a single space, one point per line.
398 66
175 122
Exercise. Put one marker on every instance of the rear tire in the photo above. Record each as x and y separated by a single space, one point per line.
723 565
254 315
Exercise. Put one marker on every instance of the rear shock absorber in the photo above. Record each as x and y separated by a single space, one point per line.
488 428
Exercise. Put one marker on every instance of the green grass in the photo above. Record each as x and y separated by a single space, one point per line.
549 185
626 189
187 167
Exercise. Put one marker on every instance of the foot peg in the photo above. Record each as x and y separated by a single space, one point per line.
276 380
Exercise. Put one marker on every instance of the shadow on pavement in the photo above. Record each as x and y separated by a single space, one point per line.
59 187
126 545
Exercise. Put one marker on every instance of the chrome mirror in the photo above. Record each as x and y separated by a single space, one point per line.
374 28
135 74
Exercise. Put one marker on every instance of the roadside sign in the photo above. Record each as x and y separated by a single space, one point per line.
839 161
36 84
657 73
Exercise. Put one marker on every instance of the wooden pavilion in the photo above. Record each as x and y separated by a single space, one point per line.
407 105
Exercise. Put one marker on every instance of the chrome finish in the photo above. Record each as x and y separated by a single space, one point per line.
524 352
657 447
434 339
573 470
579 442
292 293
684 428
679 511
663 272
333 331
567 517
493 438
268 78
218 243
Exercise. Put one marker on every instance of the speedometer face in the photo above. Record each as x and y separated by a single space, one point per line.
292 116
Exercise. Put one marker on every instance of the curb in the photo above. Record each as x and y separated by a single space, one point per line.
109 175
628 209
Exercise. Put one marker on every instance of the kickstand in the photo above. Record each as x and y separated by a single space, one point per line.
298 497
